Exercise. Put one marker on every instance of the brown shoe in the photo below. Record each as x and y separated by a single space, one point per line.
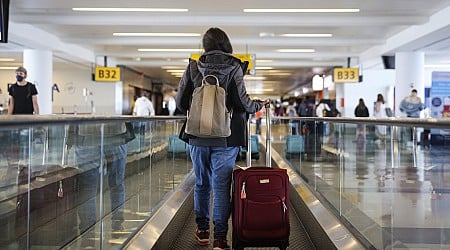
220 243
202 237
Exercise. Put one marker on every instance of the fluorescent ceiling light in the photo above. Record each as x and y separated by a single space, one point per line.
250 78
7 59
263 67
249 89
131 9
263 61
170 50
280 74
175 70
302 10
7 67
173 67
437 66
154 34
266 34
296 50
274 71
307 35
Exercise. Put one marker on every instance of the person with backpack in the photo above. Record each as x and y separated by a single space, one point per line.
361 110
213 159
23 95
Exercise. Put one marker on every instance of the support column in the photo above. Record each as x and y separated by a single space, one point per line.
39 64
409 74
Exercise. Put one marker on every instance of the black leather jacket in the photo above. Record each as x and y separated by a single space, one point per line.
228 70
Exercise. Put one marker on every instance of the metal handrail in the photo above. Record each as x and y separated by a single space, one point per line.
442 123
27 120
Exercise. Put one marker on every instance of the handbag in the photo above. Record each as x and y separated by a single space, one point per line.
129 134
388 112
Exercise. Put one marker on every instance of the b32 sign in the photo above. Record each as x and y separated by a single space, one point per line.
107 74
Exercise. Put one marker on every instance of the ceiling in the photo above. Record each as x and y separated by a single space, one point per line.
380 27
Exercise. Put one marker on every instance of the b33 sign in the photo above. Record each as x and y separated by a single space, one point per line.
346 75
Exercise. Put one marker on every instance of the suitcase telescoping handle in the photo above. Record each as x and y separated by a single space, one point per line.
268 138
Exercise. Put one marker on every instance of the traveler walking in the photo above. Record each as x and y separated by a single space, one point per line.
213 159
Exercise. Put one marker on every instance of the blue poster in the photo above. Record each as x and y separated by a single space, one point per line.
440 94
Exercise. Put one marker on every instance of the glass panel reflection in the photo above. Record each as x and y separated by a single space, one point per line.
388 182
88 184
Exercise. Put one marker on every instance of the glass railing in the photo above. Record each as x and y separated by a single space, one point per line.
93 184
84 181
385 178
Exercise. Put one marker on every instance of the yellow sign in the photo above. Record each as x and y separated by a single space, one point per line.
346 75
243 57
107 74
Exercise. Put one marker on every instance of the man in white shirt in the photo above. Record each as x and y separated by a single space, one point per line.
143 106
321 108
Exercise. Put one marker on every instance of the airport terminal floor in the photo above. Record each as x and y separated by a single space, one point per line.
88 182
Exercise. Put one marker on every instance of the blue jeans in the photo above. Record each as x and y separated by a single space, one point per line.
213 168
88 160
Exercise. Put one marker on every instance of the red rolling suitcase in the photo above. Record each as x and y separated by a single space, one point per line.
260 214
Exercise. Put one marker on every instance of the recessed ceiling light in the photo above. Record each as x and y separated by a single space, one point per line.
296 50
131 9
263 67
154 34
7 67
302 10
307 35
170 50
7 59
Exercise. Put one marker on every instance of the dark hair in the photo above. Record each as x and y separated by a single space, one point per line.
21 69
216 39
380 98
414 91
361 103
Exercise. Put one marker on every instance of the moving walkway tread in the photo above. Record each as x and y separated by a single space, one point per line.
183 238
298 239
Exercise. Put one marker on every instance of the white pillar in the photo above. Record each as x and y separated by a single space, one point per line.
409 74
39 64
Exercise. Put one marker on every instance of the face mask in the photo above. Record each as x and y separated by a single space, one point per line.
19 78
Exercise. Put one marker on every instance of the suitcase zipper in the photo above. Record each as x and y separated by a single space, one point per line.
284 207
243 194
60 190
